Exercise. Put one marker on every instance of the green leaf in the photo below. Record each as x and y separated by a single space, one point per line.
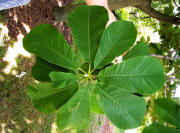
95 107
48 43
41 69
47 99
167 111
140 49
158 128
76 112
124 109
62 79
116 39
142 74
87 24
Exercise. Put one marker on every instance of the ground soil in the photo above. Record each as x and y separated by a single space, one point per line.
17 112
37 12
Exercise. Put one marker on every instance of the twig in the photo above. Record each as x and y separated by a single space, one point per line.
166 57
173 79
176 4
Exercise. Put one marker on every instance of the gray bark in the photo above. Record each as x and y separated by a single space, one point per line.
166 57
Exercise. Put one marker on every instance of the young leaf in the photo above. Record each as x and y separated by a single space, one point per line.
124 109
41 69
140 49
158 128
47 99
48 43
76 112
87 24
167 111
62 79
116 39
142 74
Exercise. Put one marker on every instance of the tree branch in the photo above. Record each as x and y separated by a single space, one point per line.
61 13
166 57
146 8
173 79
175 3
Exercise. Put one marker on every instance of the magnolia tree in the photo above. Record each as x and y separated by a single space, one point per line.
81 80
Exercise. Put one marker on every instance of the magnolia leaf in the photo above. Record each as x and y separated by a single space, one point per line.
62 79
41 69
48 43
95 107
158 128
47 99
75 113
123 109
116 39
142 74
167 111
140 49
87 24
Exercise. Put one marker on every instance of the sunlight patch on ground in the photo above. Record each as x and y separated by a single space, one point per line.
13 52
3 128
3 33
53 127
60 3
27 120
26 27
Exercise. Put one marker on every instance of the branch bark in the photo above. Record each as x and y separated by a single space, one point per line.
173 79
166 57
146 8
61 13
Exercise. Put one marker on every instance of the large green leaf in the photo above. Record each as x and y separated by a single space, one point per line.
116 39
76 112
47 99
41 69
124 109
87 24
142 74
140 49
62 79
48 43
158 128
95 107
168 111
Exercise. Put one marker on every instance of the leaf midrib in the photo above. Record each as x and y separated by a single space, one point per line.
89 41
121 105
63 56
111 49
128 75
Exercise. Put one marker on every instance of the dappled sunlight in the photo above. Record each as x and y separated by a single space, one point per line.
17 111
53 127
3 127
1 78
26 27
28 121
12 54
60 3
